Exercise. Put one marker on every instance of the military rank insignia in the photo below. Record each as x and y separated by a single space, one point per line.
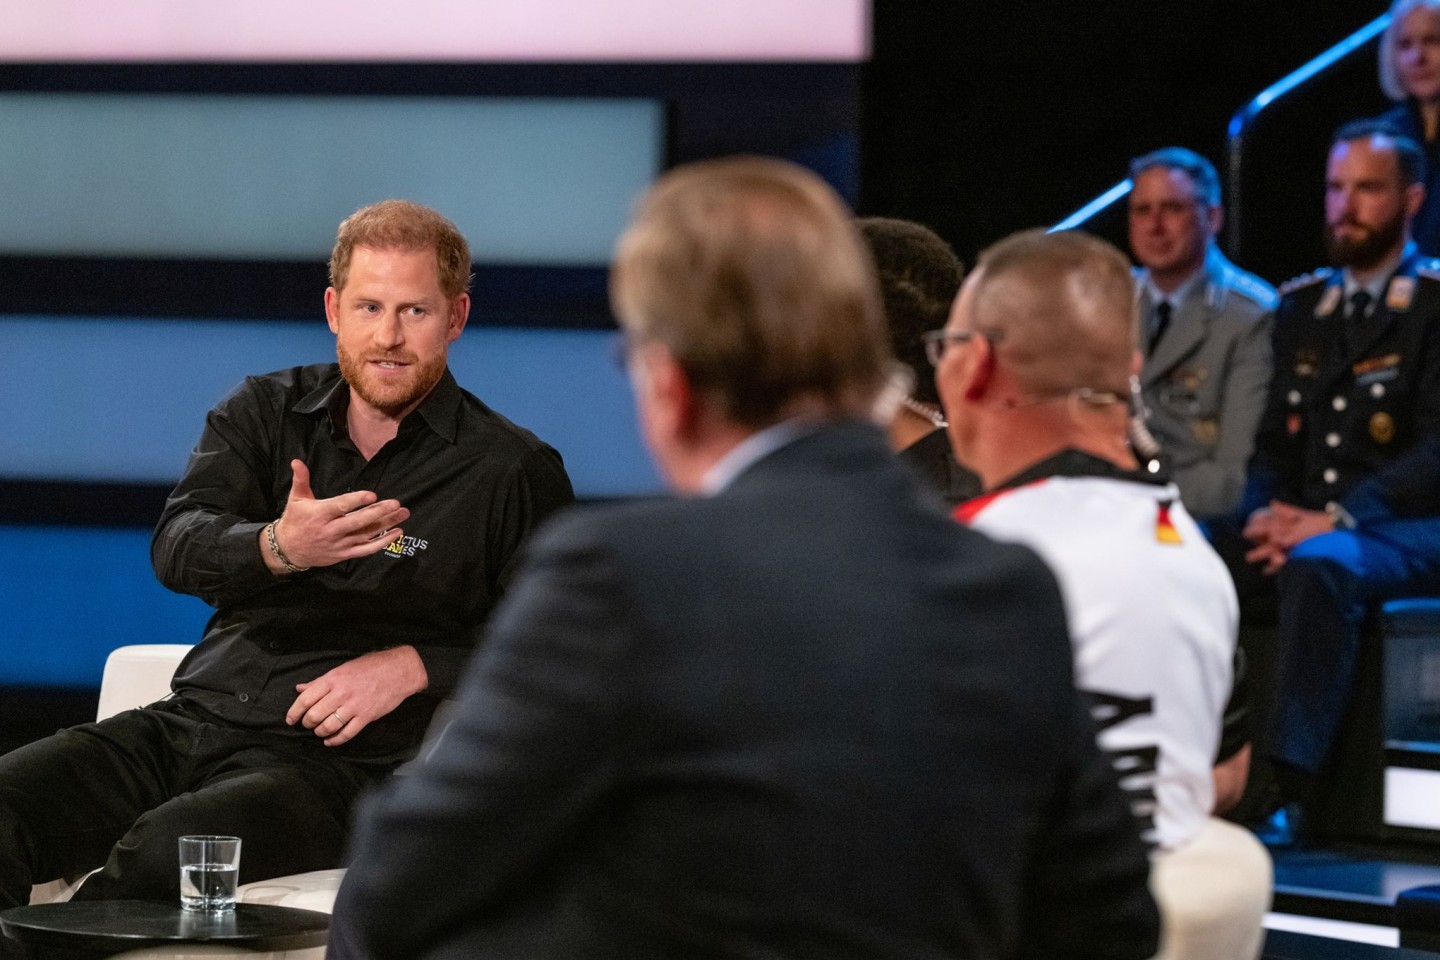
1328 302
1400 292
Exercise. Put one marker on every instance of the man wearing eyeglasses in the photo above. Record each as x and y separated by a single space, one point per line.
795 712
1204 330
1034 370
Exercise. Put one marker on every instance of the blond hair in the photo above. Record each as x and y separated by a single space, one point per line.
751 273
1389 72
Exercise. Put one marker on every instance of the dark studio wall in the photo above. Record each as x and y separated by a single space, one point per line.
983 118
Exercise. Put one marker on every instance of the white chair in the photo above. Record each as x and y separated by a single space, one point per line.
140 674
1213 893
134 676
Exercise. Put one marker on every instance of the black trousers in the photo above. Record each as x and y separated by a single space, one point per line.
118 794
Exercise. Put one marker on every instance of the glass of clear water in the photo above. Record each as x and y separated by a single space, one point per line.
209 872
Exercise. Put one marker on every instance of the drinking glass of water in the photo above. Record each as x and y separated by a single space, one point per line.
209 872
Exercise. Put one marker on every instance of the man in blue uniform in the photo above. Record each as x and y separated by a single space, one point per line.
1387 545
1357 382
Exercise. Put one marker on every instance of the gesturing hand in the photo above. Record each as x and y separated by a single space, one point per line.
318 533
341 702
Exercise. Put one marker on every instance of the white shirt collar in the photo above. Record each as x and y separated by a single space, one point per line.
750 450
1376 285
1177 296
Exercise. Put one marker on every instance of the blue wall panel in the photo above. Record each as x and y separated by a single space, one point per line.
124 400
71 595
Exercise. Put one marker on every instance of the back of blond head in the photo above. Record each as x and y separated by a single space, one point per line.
750 272
1061 310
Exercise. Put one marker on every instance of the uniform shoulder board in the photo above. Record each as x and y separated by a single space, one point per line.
1305 280
1253 288
1429 268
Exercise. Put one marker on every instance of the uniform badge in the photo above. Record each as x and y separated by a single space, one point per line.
1382 428
1400 292
1328 302
1376 370
1207 429
1292 424
1388 362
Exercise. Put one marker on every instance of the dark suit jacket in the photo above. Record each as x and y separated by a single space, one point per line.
807 717
1401 503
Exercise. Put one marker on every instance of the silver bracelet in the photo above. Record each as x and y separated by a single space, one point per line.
280 554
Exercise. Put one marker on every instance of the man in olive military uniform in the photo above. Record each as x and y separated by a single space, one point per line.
1204 330
1356 383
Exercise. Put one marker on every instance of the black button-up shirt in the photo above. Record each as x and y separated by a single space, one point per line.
475 485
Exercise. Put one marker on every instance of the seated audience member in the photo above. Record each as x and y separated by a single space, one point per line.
1357 354
1356 382
1034 371
1386 545
1410 75
353 525
919 277
796 712
1204 330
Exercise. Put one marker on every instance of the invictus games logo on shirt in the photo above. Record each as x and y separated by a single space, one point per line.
406 547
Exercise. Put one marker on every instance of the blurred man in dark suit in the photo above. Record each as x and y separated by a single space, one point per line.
797 712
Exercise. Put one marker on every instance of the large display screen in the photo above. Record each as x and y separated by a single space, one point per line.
526 179
448 30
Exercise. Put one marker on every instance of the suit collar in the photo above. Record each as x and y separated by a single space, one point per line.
839 446
1386 311
1177 297
752 450
1200 297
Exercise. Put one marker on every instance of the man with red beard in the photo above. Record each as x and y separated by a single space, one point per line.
1356 384
353 525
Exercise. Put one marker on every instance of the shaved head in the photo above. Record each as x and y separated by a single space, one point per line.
1039 354
1060 309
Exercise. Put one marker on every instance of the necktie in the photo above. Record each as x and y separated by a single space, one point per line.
1359 303
1162 323
1355 319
